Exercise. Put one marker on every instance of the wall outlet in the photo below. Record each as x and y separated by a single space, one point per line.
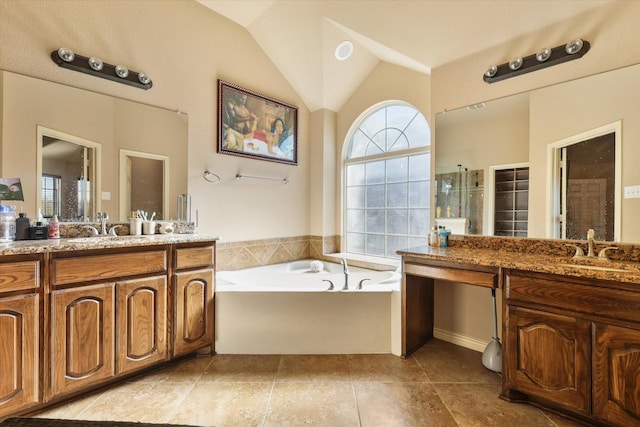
632 192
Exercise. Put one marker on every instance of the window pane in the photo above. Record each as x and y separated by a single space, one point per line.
419 194
417 241
394 243
374 123
375 172
399 116
375 196
419 222
355 197
396 140
418 132
355 220
419 167
358 146
375 221
375 244
397 221
377 144
355 243
397 195
355 174
397 169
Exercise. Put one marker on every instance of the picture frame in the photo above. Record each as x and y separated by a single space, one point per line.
256 126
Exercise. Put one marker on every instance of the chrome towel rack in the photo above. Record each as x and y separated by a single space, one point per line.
211 177
240 176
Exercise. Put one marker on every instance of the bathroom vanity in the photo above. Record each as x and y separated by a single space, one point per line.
571 331
76 314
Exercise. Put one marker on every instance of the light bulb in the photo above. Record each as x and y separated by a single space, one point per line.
491 71
95 64
66 55
515 63
122 71
574 46
543 55
144 79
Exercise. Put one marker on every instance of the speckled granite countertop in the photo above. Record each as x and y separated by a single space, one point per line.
554 260
84 243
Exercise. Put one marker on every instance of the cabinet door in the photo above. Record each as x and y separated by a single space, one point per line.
141 323
549 357
19 338
616 370
82 341
193 311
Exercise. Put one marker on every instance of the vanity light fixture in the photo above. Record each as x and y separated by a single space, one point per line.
65 58
544 58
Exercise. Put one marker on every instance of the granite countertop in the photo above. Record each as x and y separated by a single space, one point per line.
99 242
619 271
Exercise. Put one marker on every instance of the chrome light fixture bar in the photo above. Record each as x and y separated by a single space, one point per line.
65 58
539 60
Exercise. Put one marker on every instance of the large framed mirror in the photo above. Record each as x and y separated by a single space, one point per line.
69 173
521 130
103 125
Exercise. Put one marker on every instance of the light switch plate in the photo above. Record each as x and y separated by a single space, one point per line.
632 192
106 195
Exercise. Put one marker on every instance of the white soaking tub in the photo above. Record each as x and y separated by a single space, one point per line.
292 309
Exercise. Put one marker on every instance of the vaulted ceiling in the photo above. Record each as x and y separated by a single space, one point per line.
300 36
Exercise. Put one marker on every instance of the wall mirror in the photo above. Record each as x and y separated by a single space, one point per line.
144 178
84 117
516 132
68 168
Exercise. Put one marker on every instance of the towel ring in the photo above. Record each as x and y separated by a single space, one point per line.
210 176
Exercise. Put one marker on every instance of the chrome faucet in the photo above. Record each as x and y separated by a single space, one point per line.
103 217
591 253
591 239
345 270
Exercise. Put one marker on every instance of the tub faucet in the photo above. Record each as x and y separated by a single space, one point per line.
345 270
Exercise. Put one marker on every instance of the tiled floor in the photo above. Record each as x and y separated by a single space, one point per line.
440 385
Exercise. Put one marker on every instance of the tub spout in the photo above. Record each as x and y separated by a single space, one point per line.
345 270
330 284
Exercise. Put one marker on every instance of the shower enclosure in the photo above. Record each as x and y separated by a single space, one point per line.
460 194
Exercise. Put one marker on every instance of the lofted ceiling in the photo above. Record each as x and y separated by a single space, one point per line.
300 36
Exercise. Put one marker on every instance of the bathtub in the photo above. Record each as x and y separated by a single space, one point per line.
291 309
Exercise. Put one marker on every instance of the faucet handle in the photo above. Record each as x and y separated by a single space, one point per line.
92 230
579 252
603 252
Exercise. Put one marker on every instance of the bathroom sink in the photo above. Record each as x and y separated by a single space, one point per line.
595 267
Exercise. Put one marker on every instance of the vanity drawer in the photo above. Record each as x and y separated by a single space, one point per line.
193 257
17 276
101 267
574 297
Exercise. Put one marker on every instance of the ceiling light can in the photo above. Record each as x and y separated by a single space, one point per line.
343 50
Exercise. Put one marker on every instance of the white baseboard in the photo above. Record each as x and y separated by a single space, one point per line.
461 340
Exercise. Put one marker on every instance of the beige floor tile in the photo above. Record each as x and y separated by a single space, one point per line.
384 368
313 368
139 402
400 404
446 362
186 371
242 368
224 404
319 404
70 409
478 405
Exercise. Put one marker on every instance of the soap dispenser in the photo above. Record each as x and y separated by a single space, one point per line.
22 226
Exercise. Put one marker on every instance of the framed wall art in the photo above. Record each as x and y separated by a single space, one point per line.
256 126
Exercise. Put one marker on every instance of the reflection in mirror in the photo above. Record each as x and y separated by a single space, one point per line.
586 184
459 195
69 179
144 184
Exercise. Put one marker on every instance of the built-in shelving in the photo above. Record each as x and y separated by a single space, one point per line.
511 202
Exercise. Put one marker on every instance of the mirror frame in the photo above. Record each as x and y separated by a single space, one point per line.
124 154
43 131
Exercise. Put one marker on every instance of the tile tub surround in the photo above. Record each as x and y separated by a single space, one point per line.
440 385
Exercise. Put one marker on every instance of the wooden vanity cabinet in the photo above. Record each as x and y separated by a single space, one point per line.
573 344
193 290
108 315
20 328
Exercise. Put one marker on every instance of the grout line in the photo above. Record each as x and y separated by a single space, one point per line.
273 385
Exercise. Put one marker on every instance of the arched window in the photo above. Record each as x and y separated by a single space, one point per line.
387 181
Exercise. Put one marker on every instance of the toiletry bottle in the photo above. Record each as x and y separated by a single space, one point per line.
22 227
54 228
433 237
